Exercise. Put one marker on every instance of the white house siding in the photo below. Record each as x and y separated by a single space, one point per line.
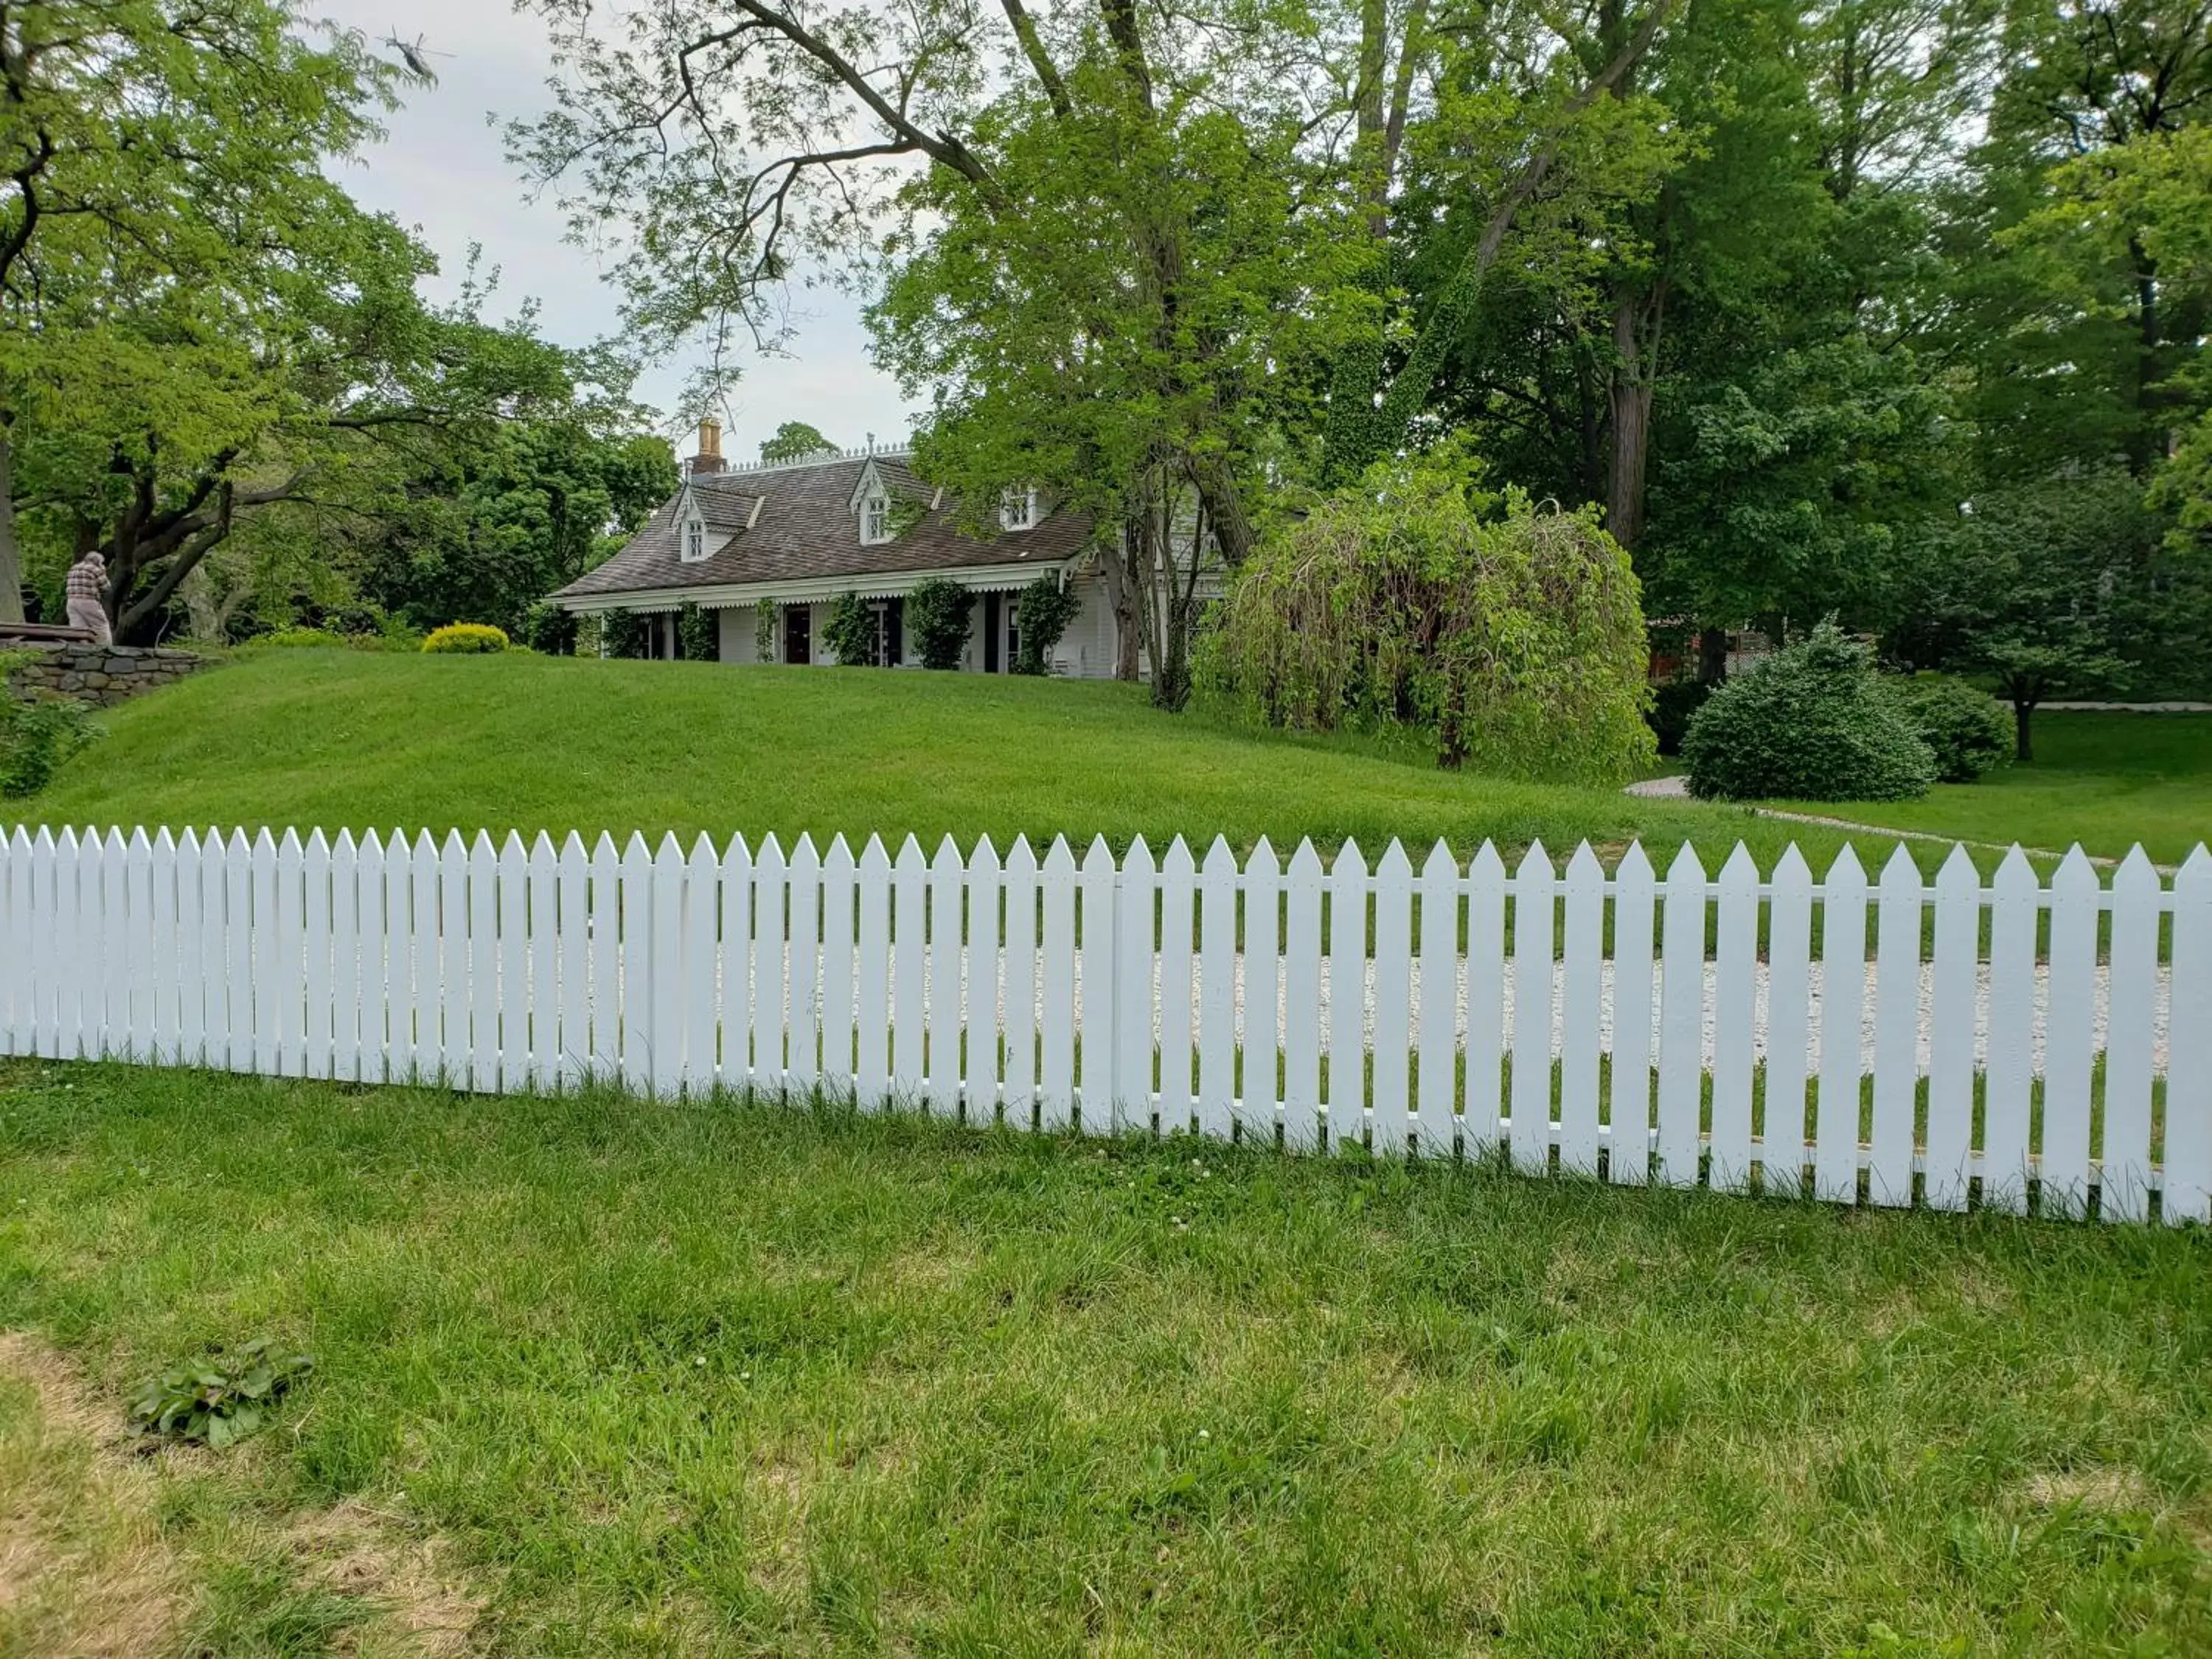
738 621
1086 651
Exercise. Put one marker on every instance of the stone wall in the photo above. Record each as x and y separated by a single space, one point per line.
103 675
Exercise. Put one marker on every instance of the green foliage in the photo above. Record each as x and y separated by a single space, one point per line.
939 616
464 638
496 515
290 638
550 628
1968 731
768 639
850 632
2045 586
795 441
1042 614
38 735
219 1407
625 634
1814 722
1514 641
698 633
1672 706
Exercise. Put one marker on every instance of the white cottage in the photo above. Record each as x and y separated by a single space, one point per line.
797 535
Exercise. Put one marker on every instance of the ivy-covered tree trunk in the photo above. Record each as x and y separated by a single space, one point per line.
11 555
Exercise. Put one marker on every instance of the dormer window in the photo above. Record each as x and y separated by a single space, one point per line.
1017 509
875 520
694 541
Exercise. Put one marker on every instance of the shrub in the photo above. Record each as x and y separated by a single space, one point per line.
464 638
197 1402
1512 635
549 629
293 639
1042 615
767 616
38 735
1969 732
1812 722
850 631
938 614
625 634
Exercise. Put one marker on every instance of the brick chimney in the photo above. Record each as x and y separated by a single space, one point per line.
709 457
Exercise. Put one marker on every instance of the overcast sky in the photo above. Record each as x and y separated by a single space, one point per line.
443 171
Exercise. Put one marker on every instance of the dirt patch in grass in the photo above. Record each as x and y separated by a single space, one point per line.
2113 1491
87 1568
359 1552
84 1569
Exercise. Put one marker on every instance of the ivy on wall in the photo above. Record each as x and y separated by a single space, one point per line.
698 635
1042 614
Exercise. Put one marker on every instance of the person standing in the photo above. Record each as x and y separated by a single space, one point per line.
87 580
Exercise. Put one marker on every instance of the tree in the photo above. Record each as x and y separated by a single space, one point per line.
1511 636
179 149
497 515
2031 586
795 441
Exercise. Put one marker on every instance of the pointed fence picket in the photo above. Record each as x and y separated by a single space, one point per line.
1346 1112
1022 984
979 1004
1337 1002
1533 920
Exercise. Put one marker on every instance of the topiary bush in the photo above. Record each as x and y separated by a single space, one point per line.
465 639
1969 732
1812 722
296 639
938 614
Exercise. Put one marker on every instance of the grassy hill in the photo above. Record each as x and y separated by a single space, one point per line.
336 739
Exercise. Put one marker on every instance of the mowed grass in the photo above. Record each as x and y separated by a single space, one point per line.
2107 780
335 738
759 1379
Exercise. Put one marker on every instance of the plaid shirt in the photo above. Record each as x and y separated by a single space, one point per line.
87 577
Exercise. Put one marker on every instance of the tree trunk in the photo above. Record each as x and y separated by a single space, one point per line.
2023 740
11 557
1712 655
1124 600
1630 398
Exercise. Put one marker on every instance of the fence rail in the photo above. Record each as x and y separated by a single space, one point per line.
2008 1043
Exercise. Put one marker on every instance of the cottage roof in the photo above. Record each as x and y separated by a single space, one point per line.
805 531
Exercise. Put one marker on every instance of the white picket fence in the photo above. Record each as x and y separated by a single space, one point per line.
2008 1041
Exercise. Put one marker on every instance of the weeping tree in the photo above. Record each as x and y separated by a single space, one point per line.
1512 634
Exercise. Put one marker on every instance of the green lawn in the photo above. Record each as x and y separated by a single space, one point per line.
2107 780
336 738
729 1379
